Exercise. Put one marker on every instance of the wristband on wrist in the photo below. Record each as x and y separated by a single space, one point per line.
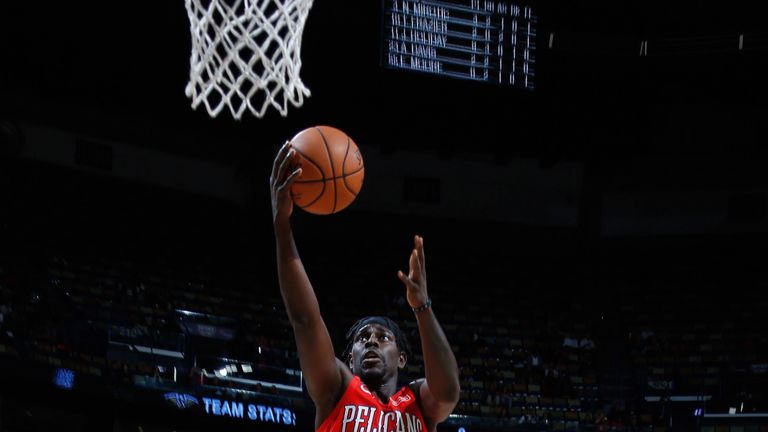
423 307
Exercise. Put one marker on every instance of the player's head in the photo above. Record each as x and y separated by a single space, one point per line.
376 348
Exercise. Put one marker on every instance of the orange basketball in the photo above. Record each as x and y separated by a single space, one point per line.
331 170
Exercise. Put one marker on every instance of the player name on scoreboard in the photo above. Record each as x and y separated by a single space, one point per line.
490 41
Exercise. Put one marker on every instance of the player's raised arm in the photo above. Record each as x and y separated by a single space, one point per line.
439 391
324 374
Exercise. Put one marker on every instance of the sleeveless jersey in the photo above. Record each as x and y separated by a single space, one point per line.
359 410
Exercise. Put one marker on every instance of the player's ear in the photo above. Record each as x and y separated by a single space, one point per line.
402 360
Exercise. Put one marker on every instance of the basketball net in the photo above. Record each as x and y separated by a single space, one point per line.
246 54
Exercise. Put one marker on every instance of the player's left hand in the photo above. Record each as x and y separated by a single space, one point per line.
416 280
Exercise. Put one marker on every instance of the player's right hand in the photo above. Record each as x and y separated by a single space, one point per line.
280 182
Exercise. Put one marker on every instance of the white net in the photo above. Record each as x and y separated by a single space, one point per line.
246 54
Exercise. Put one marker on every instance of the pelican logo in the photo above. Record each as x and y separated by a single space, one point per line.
401 399
181 400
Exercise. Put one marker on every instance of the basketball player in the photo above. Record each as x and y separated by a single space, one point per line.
360 394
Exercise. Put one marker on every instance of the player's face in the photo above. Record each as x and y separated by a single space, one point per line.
375 354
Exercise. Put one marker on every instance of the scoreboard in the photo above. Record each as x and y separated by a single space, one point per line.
478 40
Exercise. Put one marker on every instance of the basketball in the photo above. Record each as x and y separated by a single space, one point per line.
332 170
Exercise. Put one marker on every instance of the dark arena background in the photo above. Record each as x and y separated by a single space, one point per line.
595 235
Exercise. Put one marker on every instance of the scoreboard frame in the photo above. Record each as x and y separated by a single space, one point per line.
490 41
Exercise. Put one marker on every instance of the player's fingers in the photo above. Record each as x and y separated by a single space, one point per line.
413 262
285 164
418 269
289 181
406 280
279 159
420 249
284 149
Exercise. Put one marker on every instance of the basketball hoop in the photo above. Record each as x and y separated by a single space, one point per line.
246 54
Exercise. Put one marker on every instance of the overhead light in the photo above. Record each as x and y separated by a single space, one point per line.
64 378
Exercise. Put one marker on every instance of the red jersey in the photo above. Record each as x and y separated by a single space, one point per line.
359 410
